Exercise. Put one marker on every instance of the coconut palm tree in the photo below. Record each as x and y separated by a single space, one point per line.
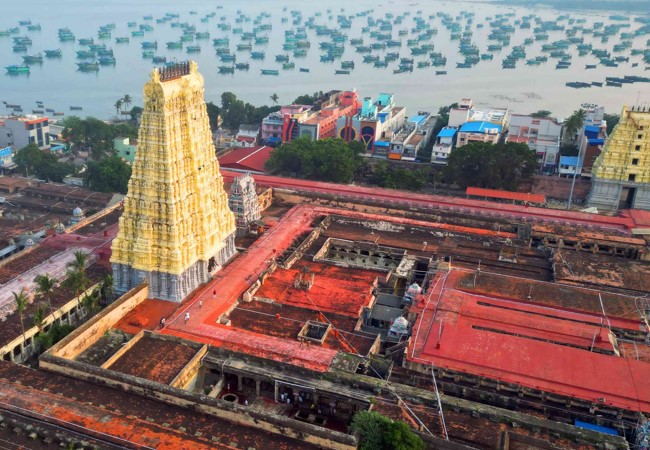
21 300
118 107
39 318
274 98
44 287
573 124
78 264
106 290
126 101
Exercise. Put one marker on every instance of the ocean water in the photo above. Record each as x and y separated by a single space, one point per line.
526 89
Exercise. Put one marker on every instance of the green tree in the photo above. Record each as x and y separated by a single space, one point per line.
227 99
573 124
108 175
213 115
21 300
127 100
308 99
39 318
393 177
442 120
78 263
235 112
32 161
378 432
274 98
612 120
135 112
44 288
106 290
95 135
499 166
118 107
541 113
326 159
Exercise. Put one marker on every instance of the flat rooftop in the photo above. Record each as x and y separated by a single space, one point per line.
158 360
335 289
529 343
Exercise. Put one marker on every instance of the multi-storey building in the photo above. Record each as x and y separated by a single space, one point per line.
415 135
19 132
443 145
621 174
478 125
125 148
176 228
542 134
373 124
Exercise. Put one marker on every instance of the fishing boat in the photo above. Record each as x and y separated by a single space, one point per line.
19 48
227 58
86 54
147 54
441 72
86 41
242 66
88 66
614 84
193 49
149 45
50 110
33 59
159 59
226 69
174 45
221 42
76 108
380 64
38 111
341 72
25 22
423 64
597 83
122 40
591 66
270 72
304 69
244 47
402 70
137 33
202 35
15 70
326 58
347 64
281 58
59 113
258 55
288 66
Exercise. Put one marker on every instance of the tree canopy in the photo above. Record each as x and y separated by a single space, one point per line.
612 120
31 160
95 135
393 177
542 113
235 112
378 432
326 159
108 175
307 99
494 166
573 124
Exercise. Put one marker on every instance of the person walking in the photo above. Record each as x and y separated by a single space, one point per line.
162 323
187 317
200 304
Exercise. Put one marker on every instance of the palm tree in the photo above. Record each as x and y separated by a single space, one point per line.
118 107
78 264
39 318
106 290
21 300
274 98
573 124
127 100
44 287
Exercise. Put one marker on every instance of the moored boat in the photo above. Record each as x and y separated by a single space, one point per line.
304 69
15 70
341 72
270 72
226 69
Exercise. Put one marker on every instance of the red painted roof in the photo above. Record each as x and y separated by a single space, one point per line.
245 139
246 158
526 344
506 195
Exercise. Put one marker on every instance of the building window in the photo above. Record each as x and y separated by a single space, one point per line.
638 147
635 162
640 136
631 177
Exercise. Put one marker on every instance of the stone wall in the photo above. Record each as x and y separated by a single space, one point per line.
558 188
87 334
229 411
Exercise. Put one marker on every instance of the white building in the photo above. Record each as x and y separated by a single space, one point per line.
542 134
443 145
19 132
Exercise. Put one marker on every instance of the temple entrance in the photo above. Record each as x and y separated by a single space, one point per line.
628 195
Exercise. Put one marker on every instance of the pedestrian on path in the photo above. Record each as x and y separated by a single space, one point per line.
162 323
187 317
200 304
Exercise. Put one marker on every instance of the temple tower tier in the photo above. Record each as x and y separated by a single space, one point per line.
621 173
177 228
